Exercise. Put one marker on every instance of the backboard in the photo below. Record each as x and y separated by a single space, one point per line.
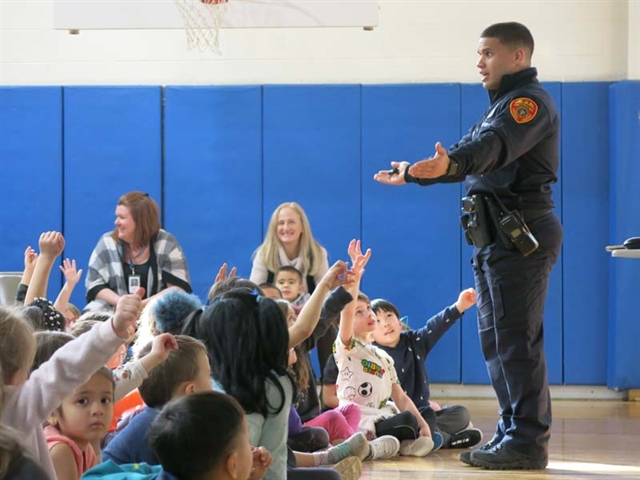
163 14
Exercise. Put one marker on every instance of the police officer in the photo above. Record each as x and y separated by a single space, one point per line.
510 156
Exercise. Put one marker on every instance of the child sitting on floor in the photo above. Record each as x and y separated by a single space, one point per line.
409 350
81 419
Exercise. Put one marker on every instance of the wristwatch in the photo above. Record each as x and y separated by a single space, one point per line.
452 170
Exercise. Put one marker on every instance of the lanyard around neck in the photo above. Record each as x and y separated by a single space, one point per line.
132 257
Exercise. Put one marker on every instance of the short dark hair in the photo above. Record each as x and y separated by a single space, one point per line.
195 433
290 269
381 304
181 366
47 342
265 285
511 34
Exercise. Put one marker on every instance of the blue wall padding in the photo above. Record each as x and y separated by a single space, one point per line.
412 230
475 100
112 145
585 193
553 329
312 156
623 370
30 173
213 176
229 155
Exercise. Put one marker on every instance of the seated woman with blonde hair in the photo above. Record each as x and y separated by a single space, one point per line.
137 253
289 242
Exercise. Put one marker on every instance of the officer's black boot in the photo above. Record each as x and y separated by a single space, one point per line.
465 457
507 456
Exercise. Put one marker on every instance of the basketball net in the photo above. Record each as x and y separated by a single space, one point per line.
202 21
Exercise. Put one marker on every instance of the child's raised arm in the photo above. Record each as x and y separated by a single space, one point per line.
359 261
72 365
72 277
303 327
131 375
30 257
466 300
51 245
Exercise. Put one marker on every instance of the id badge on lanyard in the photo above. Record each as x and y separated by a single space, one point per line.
134 283
134 280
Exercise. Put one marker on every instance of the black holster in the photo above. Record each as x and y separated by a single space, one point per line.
478 227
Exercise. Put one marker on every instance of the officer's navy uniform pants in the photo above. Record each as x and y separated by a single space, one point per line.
511 291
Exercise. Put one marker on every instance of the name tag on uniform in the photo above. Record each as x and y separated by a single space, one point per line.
134 283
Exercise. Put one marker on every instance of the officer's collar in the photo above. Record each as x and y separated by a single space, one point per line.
513 80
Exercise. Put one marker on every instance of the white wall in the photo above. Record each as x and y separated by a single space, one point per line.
416 41
634 40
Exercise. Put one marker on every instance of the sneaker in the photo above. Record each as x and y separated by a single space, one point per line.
465 457
465 438
504 456
349 468
419 447
383 447
438 441
359 445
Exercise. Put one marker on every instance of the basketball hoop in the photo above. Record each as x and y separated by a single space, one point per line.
202 21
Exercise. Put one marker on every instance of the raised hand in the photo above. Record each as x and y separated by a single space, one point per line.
338 274
358 260
162 345
222 273
30 257
71 275
51 244
127 313
466 300
395 176
433 167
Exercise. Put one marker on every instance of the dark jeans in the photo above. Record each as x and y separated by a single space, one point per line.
448 421
403 426
310 439
511 291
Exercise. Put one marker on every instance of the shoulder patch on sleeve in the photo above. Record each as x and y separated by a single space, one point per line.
523 109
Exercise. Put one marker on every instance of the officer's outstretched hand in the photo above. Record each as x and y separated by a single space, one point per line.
433 167
466 300
395 176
